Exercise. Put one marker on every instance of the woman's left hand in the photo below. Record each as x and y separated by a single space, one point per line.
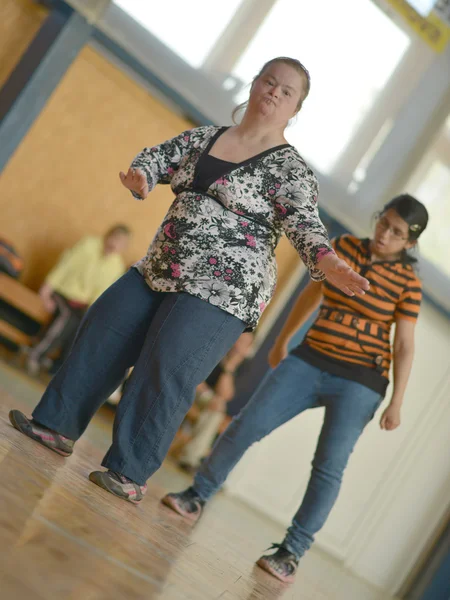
342 276
390 419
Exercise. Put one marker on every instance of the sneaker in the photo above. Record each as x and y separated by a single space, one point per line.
188 504
282 564
48 438
119 485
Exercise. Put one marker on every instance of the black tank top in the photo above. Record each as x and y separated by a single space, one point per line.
210 170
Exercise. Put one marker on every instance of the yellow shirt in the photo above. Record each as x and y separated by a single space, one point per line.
83 272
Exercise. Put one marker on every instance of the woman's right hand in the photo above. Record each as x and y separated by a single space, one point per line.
342 276
278 353
135 181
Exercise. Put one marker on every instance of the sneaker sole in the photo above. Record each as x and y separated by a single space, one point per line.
21 423
172 503
265 566
103 481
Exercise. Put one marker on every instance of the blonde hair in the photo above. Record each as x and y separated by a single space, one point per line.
291 62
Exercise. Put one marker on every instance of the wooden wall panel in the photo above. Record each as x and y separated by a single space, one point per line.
63 182
19 22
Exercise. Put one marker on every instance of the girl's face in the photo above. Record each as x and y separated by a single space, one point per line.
391 235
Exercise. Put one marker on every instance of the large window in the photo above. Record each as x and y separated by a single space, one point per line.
351 49
430 183
423 7
189 28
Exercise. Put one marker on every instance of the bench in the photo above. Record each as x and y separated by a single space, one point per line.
29 303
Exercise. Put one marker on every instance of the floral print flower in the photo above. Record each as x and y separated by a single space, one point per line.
170 231
175 270
292 192
286 170
217 292
250 241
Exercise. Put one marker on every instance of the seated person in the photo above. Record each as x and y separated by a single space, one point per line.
212 398
81 275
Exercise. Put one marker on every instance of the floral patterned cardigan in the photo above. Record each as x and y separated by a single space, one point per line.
217 241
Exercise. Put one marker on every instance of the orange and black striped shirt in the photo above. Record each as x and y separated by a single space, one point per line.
351 335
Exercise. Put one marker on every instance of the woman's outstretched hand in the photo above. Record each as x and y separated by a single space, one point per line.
342 276
135 181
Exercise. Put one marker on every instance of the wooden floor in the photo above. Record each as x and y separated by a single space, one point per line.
62 537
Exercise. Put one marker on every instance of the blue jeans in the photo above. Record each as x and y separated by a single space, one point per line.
173 340
291 388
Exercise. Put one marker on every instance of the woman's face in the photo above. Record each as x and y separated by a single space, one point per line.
391 234
276 93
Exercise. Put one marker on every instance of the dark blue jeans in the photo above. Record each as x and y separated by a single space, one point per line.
295 386
173 340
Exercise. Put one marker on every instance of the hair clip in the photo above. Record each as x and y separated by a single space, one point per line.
415 227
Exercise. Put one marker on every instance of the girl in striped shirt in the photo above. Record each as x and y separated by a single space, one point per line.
342 364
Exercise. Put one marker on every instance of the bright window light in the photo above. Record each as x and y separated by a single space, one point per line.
423 7
430 183
189 28
351 49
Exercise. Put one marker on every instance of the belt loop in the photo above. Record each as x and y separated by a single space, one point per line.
378 360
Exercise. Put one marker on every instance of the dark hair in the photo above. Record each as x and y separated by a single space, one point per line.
291 62
410 210
414 214
120 228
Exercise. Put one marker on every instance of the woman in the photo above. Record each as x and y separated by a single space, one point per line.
342 364
207 277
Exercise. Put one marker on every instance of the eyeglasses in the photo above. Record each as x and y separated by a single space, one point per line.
397 234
